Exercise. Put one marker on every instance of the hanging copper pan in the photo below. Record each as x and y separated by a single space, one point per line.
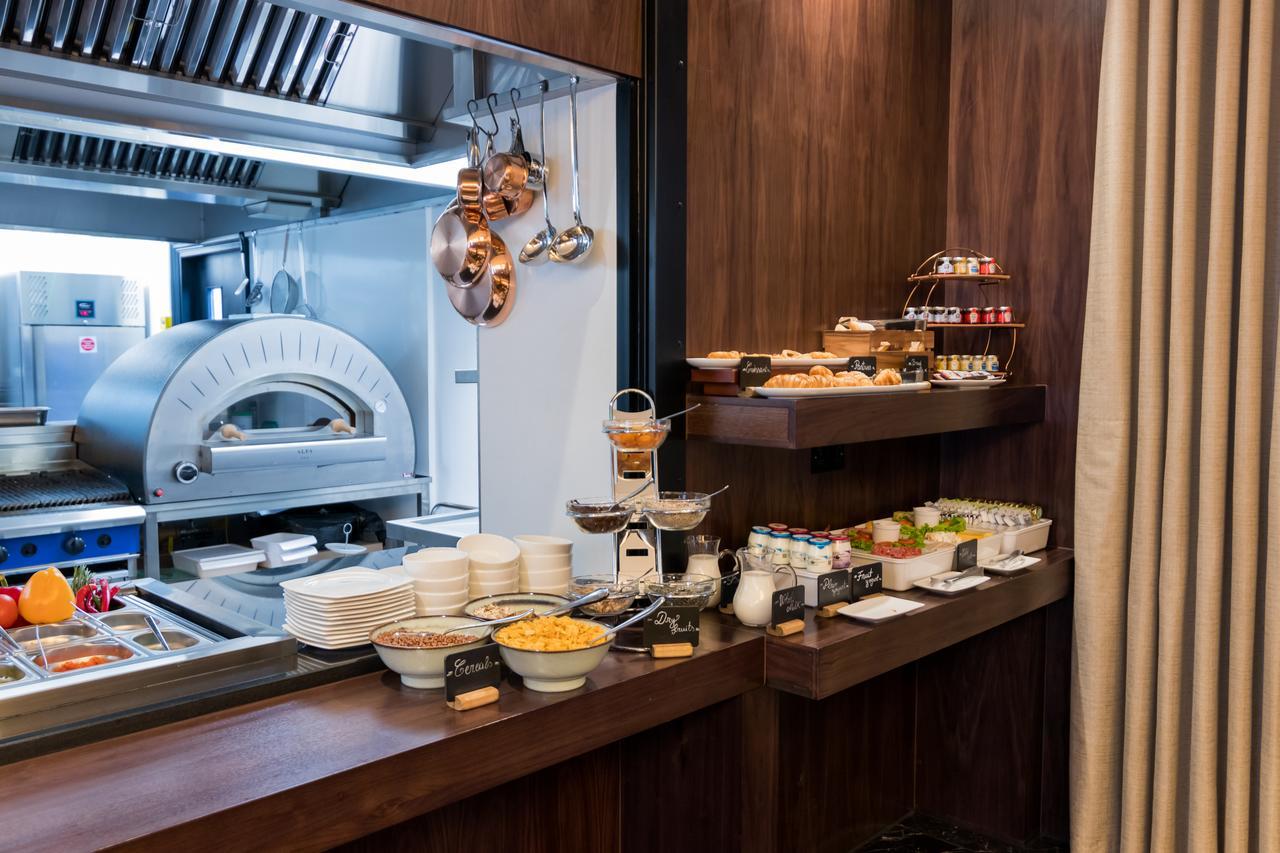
460 239
491 300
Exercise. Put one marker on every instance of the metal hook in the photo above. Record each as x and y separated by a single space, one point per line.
491 101
514 95
472 105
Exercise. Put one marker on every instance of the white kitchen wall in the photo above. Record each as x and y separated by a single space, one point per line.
145 261
547 373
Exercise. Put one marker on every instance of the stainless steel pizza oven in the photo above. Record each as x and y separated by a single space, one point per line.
232 408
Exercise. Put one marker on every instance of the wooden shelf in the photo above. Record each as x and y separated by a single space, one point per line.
801 423
962 326
831 655
990 279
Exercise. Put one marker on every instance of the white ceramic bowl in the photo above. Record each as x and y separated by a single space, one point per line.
486 549
550 545
436 563
441 585
539 603
455 610
543 582
494 570
548 589
479 590
424 668
554 672
431 599
545 562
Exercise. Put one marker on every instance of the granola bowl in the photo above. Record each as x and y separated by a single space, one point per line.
407 649
552 670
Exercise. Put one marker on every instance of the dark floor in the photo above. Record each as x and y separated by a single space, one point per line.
920 834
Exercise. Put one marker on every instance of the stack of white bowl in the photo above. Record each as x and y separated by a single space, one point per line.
546 563
495 563
441 578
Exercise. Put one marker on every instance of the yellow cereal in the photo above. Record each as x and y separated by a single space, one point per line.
550 634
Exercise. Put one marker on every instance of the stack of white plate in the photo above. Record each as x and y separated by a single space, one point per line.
440 578
285 549
546 564
339 610
495 563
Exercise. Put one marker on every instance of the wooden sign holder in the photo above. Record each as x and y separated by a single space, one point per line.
785 629
474 699
671 650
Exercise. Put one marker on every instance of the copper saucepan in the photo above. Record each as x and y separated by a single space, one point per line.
491 300
460 239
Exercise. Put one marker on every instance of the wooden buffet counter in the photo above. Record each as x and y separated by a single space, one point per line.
332 764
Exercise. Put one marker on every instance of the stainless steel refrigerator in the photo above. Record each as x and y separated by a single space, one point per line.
59 331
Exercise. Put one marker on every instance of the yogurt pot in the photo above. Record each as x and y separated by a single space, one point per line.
885 530
780 548
841 551
798 551
758 541
820 559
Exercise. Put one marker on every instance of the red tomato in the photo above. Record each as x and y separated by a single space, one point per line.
8 612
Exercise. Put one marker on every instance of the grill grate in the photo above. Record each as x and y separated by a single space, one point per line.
247 44
79 151
57 489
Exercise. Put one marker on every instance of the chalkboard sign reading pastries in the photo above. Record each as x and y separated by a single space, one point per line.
863 363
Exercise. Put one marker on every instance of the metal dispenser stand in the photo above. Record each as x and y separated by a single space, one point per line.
628 469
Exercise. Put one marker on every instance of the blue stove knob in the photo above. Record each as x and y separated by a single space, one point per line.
4 553
74 545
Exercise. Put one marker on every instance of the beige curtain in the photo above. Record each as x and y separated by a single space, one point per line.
1176 699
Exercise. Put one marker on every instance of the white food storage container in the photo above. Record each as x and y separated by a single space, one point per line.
1033 537
899 575
809 580
217 560
285 549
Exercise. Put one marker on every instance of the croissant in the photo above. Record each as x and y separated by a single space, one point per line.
733 353
819 370
888 376
787 380
821 354
821 381
790 353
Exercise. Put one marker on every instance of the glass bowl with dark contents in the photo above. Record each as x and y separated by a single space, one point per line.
599 515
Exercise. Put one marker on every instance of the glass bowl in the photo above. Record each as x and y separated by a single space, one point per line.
599 515
676 510
683 590
621 594
637 435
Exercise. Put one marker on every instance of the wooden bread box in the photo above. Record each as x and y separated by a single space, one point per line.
866 343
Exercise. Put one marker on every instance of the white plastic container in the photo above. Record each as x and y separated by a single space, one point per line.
217 560
285 549
899 575
1033 537
809 580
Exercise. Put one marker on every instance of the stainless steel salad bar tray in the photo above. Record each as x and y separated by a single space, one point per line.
100 664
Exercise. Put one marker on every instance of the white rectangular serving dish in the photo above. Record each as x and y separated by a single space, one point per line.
899 575
217 560
880 608
1033 537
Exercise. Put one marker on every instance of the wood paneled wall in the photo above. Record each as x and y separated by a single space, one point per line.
608 34
816 181
1024 96
817 163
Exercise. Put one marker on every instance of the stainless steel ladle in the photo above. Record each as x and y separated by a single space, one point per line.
538 248
574 243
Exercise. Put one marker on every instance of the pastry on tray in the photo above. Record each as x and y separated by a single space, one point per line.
888 376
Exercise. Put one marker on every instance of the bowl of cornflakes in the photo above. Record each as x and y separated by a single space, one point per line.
553 653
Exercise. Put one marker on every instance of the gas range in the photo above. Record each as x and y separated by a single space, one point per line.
57 511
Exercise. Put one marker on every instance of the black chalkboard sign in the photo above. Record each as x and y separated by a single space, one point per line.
866 579
833 587
916 364
788 604
672 625
754 371
863 363
471 670
728 588
966 555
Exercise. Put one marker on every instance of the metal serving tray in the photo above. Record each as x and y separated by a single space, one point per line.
37 693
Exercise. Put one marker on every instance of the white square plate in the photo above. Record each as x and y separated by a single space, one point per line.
336 586
1013 568
955 589
881 608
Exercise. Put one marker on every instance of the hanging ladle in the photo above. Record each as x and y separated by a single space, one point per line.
573 244
538 247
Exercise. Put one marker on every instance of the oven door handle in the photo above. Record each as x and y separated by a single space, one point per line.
221 459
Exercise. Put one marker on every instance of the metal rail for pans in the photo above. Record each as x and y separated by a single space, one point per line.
247 44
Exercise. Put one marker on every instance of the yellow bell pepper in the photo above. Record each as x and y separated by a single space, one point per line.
47 597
